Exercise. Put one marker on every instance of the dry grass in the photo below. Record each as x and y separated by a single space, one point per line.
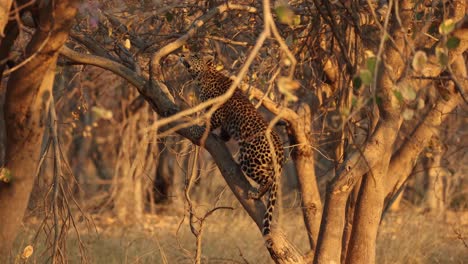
410 237
231 238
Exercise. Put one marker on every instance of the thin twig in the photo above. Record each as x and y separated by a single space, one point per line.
57 173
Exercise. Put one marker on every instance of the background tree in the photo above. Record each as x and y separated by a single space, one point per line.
28 93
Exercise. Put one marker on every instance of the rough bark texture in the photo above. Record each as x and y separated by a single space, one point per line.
349 224
331 229
28 94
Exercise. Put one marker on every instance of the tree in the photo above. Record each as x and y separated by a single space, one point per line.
28 94
360 76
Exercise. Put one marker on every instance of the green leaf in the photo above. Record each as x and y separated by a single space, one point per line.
296 20
285 14
398 95
378 100
408 92
370 64
169 16
453 42
442 56
366 76
447 26
419 15
101 113
357 83
419 60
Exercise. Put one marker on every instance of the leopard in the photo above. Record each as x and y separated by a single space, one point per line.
239 119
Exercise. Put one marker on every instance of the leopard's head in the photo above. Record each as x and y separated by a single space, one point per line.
196 65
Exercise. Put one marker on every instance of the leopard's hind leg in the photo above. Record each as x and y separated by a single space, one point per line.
256 165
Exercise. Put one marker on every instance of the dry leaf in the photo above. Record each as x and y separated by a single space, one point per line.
27 252
286 86
127 44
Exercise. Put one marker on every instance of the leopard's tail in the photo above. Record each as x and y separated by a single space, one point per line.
267 219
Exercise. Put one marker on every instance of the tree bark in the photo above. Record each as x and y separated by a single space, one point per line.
331 228
368 210
350 172
304 160
28 94
349 219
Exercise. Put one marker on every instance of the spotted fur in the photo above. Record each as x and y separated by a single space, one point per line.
239 119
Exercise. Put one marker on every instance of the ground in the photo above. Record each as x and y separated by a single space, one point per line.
230 237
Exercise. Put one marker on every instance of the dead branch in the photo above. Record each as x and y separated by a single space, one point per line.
197 231
57 173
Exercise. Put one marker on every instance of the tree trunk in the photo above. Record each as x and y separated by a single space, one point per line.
366 220
304 160
436 176
27 98
349 218
128 186
331 228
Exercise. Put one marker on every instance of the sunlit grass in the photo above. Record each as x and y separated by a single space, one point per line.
230 237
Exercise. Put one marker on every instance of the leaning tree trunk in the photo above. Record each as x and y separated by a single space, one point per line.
27 99
384 173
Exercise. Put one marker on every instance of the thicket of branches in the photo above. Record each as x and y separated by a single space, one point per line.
365 95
